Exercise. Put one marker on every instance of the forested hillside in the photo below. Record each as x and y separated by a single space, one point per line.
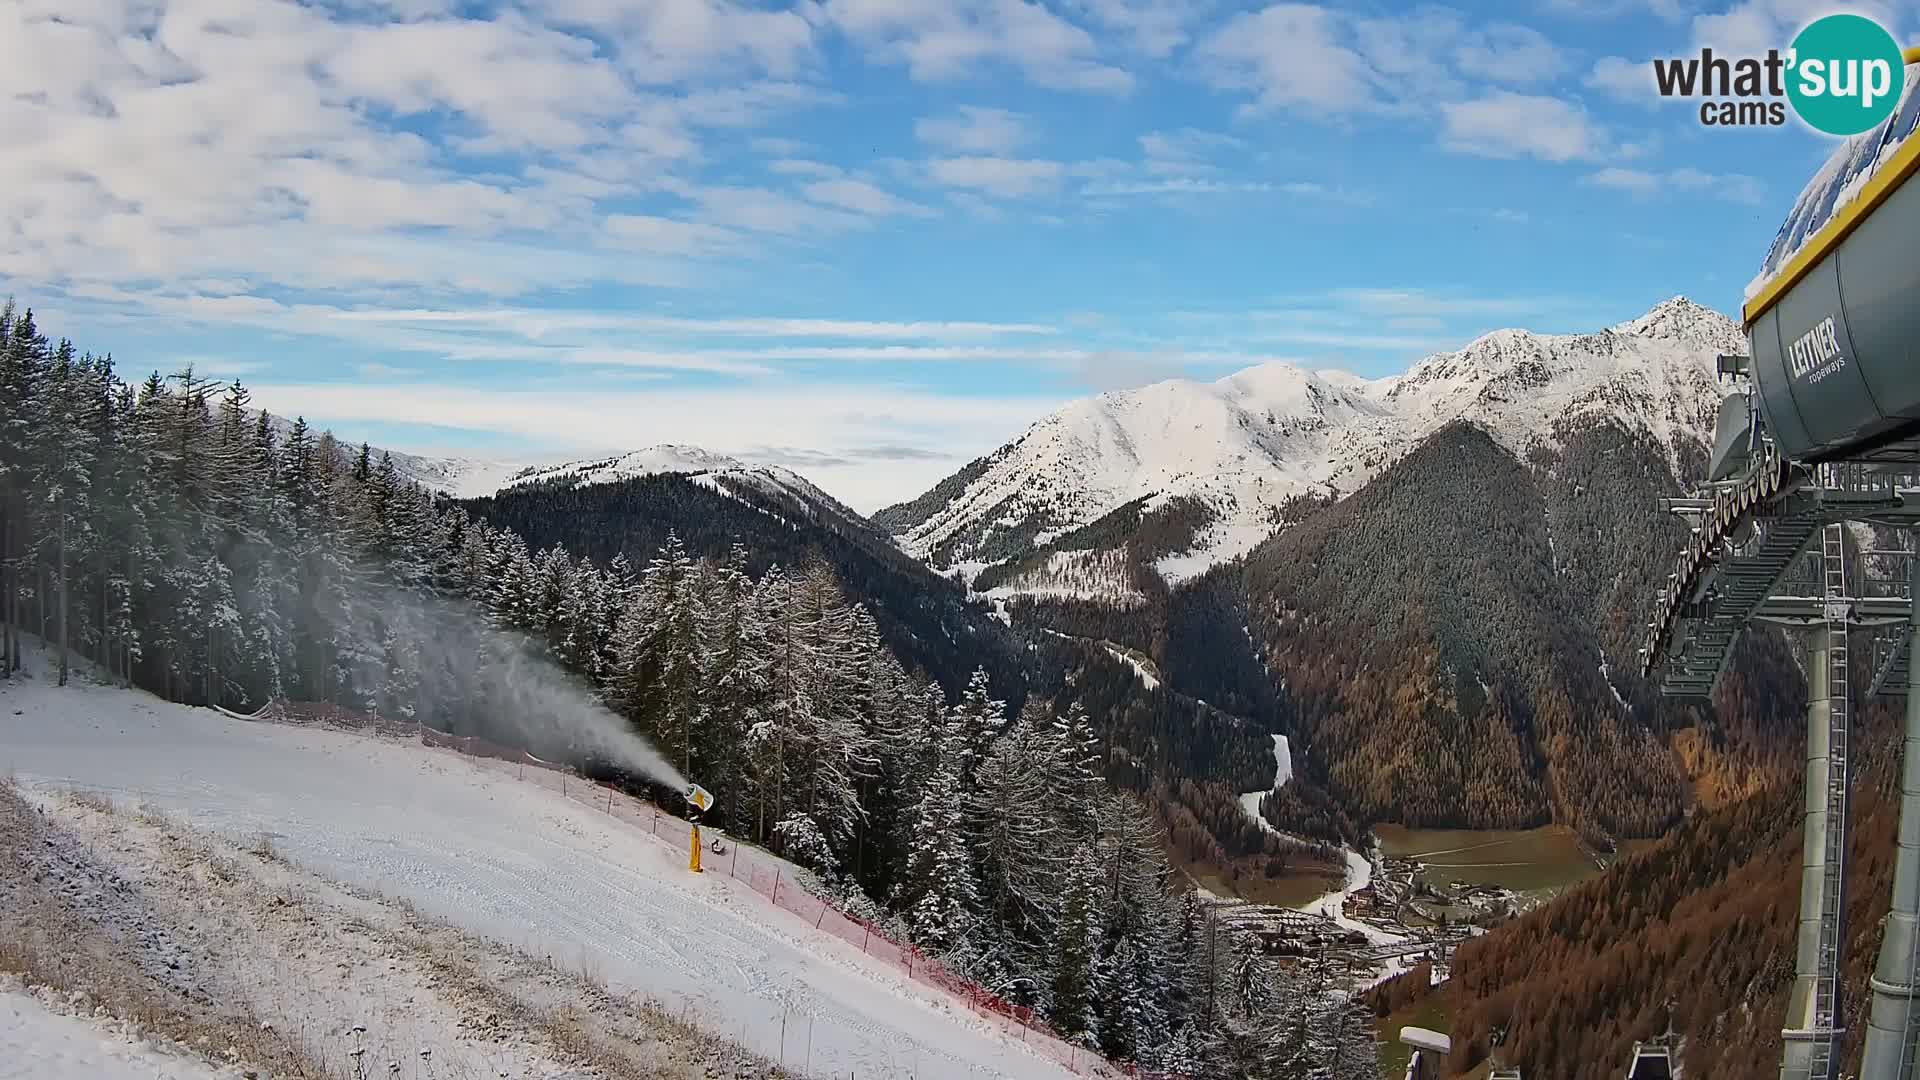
924 618
1188 760
1451 645
174 539
1442 668
1696 933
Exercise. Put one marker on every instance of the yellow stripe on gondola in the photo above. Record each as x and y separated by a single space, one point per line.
1905 163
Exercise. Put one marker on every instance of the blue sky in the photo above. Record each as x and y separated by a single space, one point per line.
869 238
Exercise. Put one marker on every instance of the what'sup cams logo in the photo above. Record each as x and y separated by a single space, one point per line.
1842 75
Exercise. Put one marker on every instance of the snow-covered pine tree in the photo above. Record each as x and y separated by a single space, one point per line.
577 618
829 735
124 549
937 890
1075 937
892 721
1073 771
268 599
1020 851
659 655
1134 983
981 718
24 356
737 679
62 480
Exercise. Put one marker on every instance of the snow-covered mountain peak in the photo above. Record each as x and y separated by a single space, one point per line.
1283 389
1681 320
1243 445
468 479
677 458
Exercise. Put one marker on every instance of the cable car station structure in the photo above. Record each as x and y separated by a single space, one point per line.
1807 522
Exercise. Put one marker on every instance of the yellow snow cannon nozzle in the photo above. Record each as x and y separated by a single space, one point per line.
701 800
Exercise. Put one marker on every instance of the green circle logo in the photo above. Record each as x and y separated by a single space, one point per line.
1846 74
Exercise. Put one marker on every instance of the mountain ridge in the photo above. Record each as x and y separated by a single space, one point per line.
1243 446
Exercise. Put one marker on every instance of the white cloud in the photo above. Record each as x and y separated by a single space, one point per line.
974 130
1729 187
802 167
1006 177
863 198
1670 10
778 147
1402 321
944 42
1290 55
1638 181
1336 63
1185 151
1509 53
764 211
1625 80
262 141
1414 302
1153 27
524 85
668 236
669 40
217 367
607 339
1307 189
1178 185
536 322
1504 124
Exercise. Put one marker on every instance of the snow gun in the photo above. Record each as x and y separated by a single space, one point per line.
700 799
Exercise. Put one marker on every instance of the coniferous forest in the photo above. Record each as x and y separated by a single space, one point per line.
177 540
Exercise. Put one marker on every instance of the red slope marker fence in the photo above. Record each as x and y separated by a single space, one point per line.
758 869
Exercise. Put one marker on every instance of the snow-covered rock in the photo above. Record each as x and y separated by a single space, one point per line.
1244 444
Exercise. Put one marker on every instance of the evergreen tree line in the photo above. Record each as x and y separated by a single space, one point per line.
198 548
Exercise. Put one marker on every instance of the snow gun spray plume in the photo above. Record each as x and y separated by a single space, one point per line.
447 663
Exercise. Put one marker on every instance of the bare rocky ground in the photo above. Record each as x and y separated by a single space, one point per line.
164 934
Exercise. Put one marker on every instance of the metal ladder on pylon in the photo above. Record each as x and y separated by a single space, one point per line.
1826 988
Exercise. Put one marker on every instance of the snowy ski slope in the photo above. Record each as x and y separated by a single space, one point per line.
516 863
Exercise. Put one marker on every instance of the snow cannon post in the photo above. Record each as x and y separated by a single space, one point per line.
700 799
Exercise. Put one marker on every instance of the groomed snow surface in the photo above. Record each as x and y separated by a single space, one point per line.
512 862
